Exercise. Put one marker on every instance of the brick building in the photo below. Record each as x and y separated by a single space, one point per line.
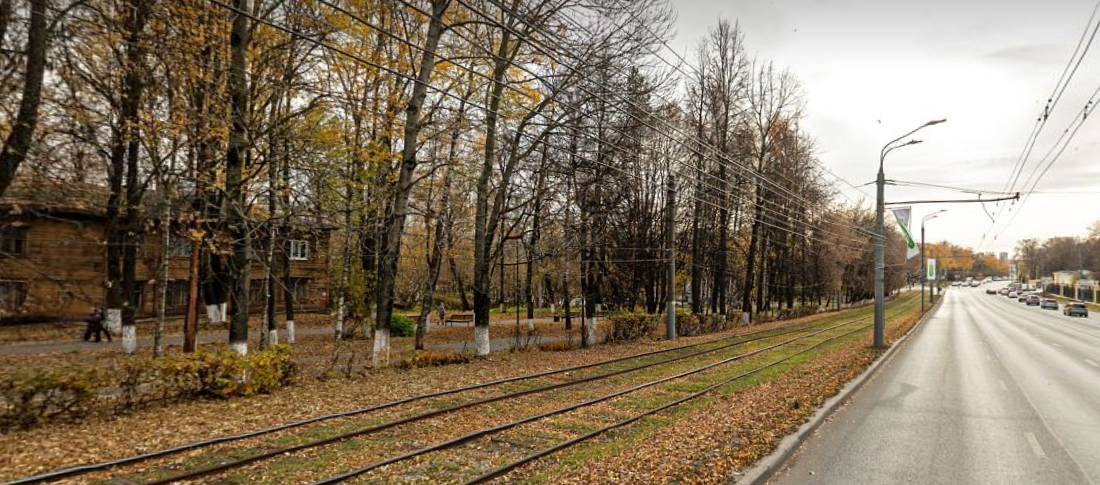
53 257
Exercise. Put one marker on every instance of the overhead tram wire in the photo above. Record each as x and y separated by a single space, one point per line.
684 61
1052 102
546 51
293 32
539 77
1055 96
702 143
1079 121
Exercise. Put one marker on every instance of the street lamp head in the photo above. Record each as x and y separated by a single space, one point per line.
934 122
913 142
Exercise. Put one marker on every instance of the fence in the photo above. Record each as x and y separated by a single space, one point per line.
1088 293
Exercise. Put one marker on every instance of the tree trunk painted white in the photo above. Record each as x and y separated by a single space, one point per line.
290 331
380 357
114 321
531 324
481 338
129 339
239 347
212 313
273 337
591 330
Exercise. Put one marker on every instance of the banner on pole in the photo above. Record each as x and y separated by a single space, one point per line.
931 269
902 214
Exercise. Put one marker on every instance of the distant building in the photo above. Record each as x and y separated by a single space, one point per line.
1004 257
53 257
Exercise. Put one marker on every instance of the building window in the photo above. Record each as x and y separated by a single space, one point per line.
179 247
136 297
178 293
13 294
299 250
13 241
299 287
257 292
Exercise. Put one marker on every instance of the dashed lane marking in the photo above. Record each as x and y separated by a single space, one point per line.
1035 448
1090 362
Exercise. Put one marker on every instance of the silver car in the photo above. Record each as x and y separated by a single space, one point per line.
1049 304
1072 309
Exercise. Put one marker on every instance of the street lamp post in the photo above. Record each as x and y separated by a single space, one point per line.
923 261
880 236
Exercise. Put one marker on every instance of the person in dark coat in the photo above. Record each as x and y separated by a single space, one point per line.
95 326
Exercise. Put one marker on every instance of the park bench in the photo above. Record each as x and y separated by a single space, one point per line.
460 318
561 317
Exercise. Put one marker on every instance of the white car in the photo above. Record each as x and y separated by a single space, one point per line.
1013 294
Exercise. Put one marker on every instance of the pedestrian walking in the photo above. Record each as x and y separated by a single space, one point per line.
442 311
94 328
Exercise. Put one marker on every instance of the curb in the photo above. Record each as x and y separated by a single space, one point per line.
765 468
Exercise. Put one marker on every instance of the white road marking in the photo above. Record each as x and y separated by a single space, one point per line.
1054 344
1003 386
1090 362
1035 448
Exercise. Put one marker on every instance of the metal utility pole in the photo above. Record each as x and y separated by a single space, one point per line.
923 260
880 236
670 242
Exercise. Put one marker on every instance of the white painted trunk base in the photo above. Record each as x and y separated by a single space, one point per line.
290 331
381 355
113 322
590 329
531 324
273 337
745 319
217 312
481 338
129 339
239 347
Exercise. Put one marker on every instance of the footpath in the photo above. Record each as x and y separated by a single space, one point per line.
215 336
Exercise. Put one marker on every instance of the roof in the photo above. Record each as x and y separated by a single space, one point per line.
41 194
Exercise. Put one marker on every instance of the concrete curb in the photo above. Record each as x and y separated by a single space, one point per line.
763 470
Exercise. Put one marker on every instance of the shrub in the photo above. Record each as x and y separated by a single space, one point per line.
401 326
428 358
626 328
559 345
32 397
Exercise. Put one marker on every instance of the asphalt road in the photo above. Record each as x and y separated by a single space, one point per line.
988 391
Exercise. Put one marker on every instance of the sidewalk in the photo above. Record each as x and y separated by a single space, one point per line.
215 336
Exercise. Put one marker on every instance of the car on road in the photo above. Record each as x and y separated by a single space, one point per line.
1012 294
1004 291
1074 308
990 291
1034 300
1049 304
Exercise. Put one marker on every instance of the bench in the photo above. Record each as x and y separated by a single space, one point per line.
460 318
561 317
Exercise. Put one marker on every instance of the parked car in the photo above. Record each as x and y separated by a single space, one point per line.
990 291
1012 294
1034 300
1074 308
1049 304
1004 291
1023 298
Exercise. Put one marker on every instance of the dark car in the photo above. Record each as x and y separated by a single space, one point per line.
1049 304
1072 309
990 291
1034 300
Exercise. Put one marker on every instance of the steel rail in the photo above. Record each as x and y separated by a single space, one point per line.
496 429
77 470
237 463
504 469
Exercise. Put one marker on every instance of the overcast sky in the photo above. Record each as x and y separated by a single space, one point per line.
873 70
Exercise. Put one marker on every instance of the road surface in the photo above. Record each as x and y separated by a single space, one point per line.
988 391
